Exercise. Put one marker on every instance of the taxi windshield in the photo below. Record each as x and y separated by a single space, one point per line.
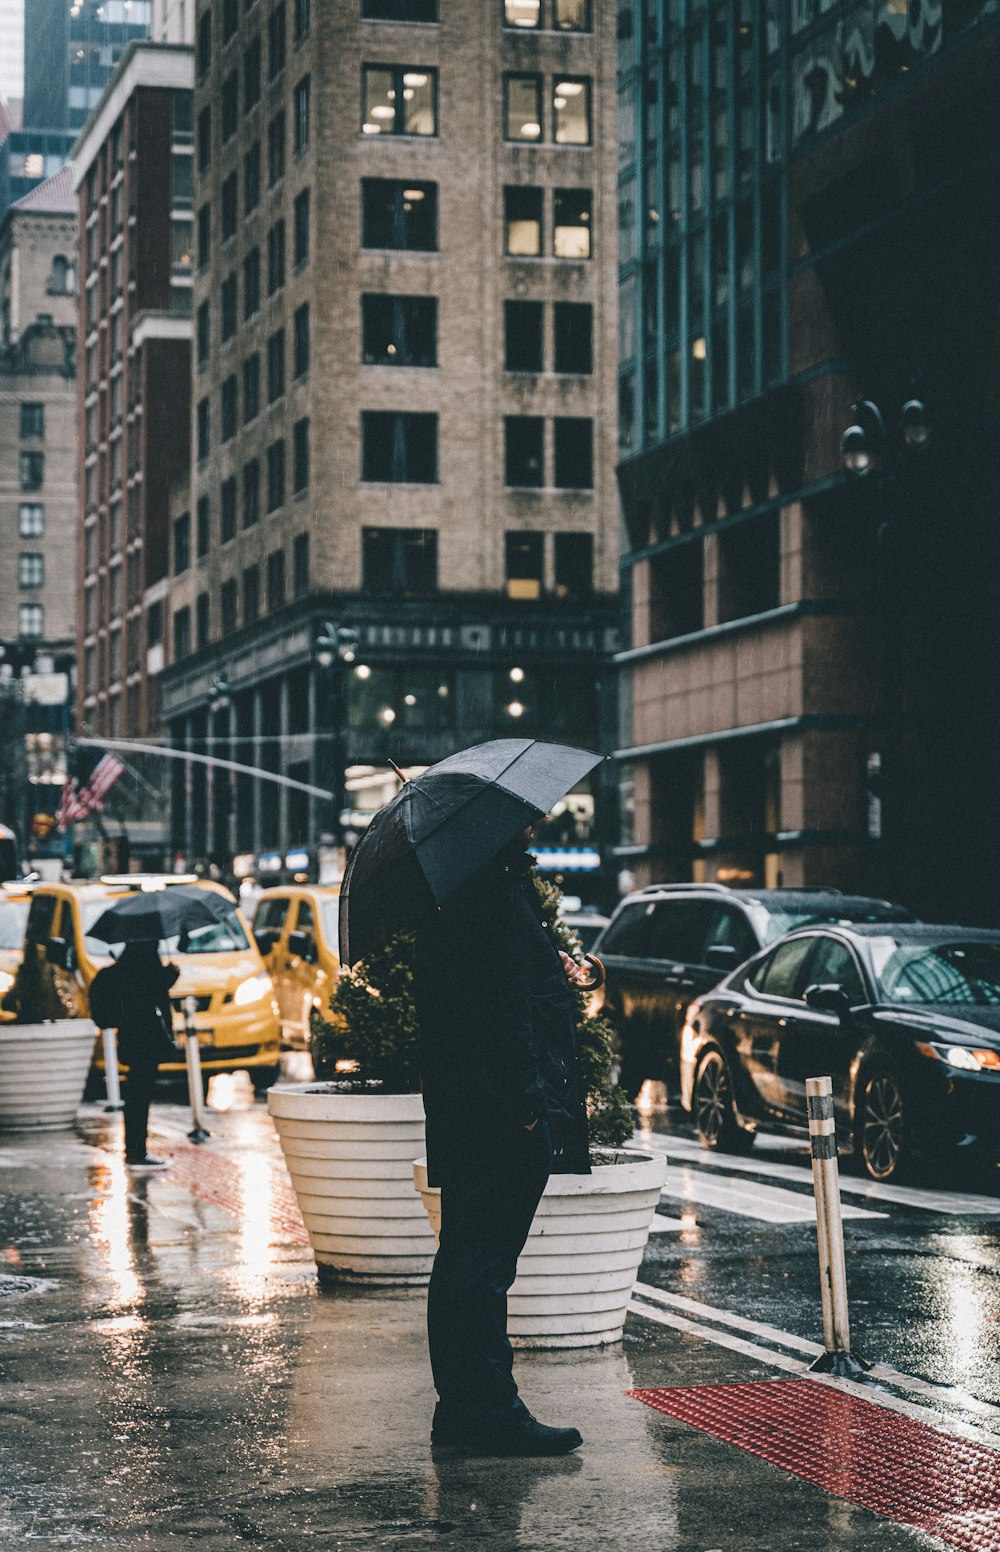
13 916
934 973
224 937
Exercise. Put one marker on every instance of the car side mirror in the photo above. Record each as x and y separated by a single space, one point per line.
57 953
302 944
722 956
828 999
264 939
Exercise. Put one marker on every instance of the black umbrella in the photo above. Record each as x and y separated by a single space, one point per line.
442 826
153 914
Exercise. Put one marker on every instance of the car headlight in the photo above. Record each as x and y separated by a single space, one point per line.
6 982
961 1056
252 990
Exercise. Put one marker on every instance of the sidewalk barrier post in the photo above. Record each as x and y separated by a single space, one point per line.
192 1054
837 1358
112 1083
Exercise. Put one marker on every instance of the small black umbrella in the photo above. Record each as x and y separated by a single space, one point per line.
153 914
442 826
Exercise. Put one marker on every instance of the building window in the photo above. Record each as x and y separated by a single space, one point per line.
32 467
62 277
301 131
32 420
228 307
251 73
749 568
251 283
251 492
300 229
182 632
204 236
202 527
572 16
182 543
227 606
399 100
399 330
203 330
524 565
399 561
230 18
227 509
522 333
574 338
275 580
302 18
277 40
399 10
574 565
251 388
251 178
31 520
204 46
230 106
522 13
571 224
229 207
301 341
571 110
229 414
300 456
410 697
276 476
522 222
399 215
276 148
201 620
300 565
275 257
574 449
522 107
31 571
399 447
251 595
524 450
275 365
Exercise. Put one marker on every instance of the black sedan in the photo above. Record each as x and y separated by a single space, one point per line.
905 1018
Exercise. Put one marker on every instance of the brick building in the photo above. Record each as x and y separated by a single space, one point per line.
403 396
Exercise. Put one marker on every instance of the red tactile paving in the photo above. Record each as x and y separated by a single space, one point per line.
222 1183
901 1469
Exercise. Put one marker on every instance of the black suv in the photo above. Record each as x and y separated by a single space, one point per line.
668 944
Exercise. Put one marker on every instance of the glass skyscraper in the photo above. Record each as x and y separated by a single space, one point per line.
71 48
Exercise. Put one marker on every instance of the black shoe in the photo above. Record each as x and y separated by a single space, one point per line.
147 1162
521 1435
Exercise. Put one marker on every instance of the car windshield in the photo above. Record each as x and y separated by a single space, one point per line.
13 916
789 920
965 974
219 938
331 923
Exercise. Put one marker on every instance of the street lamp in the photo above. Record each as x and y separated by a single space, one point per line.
866 442
335 648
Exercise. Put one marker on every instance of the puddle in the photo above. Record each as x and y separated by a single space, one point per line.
12 1286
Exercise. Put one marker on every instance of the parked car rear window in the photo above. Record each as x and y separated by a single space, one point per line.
627 932
678 931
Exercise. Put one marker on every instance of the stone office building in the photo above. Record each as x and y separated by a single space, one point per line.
813 649
403 399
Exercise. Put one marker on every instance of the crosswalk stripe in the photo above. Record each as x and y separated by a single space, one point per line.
768 1204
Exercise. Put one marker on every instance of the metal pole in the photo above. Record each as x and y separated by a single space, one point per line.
837 1359
111 1080
198 1132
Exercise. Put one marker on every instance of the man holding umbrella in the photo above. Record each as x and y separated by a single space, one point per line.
500 1086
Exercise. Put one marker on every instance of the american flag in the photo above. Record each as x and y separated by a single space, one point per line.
77 802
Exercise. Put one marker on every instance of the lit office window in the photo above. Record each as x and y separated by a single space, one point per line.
399 100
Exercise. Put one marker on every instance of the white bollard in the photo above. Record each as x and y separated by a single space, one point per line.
837 1359
112 1082
192 1055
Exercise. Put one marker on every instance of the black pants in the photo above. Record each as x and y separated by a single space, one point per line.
139 1088
487 1207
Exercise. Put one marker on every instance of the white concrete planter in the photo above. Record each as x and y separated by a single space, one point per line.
43 1069
577 1271
350 1157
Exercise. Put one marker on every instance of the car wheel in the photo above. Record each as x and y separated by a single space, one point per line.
714 1107
881 1128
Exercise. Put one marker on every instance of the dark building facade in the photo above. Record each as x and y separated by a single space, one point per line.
71 52
802 227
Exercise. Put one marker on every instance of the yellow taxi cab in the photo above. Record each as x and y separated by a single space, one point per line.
296 928
236 1012
15 902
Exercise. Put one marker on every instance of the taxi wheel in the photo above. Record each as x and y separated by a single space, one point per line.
714 1107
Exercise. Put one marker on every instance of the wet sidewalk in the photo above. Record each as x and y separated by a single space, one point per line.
172 1373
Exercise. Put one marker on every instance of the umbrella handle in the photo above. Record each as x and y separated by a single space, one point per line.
600 975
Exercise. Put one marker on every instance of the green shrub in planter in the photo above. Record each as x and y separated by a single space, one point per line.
373 1024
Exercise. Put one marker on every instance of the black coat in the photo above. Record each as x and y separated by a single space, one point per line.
132 996
497 1026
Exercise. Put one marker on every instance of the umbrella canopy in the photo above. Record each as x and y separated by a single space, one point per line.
150 915
444 825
